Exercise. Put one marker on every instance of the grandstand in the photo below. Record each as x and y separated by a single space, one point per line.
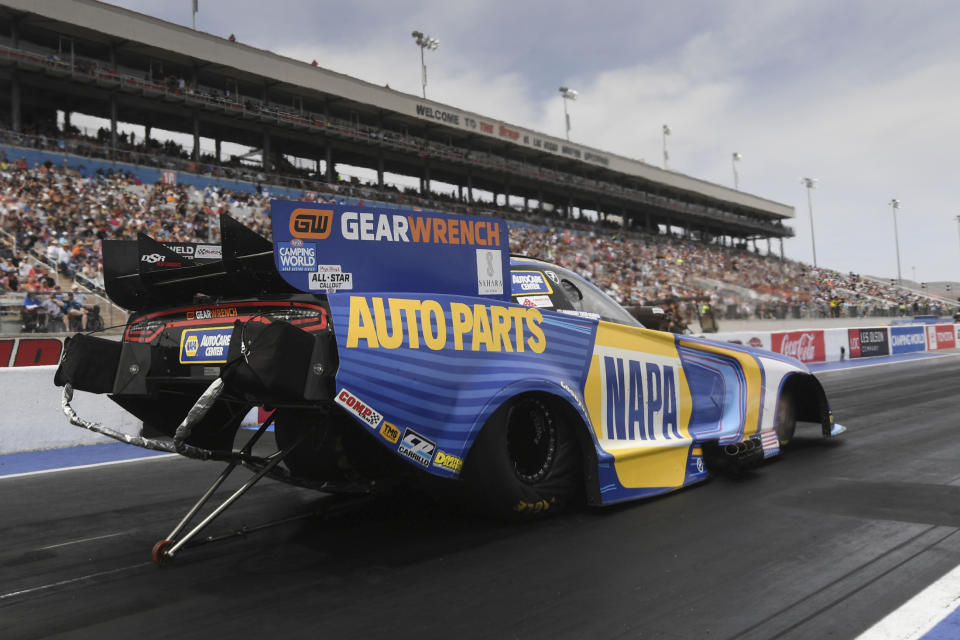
661 236
79 57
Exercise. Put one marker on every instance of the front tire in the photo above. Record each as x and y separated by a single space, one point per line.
786 421
525 463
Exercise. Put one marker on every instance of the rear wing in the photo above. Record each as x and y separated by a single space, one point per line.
325 248
146 274
316 249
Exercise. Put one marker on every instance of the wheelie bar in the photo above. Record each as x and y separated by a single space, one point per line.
165 550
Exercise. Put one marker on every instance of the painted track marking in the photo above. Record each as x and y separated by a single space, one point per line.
920 617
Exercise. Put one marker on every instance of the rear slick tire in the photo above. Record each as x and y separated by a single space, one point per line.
525 464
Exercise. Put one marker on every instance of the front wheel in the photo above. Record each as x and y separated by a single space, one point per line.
786 421
526 462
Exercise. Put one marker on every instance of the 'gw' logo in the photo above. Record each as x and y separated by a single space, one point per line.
314 224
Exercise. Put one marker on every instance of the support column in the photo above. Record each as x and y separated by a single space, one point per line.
146 134
380 168
266 159
460 193
329 164
196 136
15 101
66 120
470 186
216 146
782 257
426 177
113 126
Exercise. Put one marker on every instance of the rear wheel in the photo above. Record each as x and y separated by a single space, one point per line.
526 462
786 421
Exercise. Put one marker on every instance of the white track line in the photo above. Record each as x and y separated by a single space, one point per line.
162 456
921 613
64 544
884 364
23 592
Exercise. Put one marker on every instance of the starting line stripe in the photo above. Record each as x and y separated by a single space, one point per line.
932 614
15 465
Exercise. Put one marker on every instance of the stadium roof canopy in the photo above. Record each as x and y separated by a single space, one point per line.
289 106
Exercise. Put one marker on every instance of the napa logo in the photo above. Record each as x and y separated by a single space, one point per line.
191 346
640 399
205 346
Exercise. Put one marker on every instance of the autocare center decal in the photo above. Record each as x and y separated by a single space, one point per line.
322 248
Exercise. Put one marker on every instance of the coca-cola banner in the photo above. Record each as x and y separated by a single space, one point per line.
940 336
806 346
868 342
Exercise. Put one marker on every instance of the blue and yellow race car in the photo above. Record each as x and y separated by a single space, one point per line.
393 344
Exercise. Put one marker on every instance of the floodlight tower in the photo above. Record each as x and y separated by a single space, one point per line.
424 42
567 94
811 183
666 132
735 158
894 205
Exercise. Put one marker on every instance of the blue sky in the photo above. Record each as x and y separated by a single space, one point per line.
862 95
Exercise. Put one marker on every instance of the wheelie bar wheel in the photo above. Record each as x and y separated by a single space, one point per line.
159 553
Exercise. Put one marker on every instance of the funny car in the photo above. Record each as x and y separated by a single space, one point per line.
394 345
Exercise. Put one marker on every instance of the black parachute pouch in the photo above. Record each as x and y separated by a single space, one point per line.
269 362
89 363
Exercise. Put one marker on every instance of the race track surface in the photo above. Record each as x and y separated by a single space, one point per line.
822 543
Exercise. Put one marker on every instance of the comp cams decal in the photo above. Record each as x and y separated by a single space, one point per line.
357 407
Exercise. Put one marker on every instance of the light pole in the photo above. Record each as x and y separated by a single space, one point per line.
567 94
666 157
894 205
424 42
736 178
958 222
811 183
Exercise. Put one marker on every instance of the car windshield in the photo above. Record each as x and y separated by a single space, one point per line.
571 293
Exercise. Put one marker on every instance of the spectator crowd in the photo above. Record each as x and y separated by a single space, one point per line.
54 217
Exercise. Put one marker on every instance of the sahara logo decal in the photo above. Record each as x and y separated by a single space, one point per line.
448 461
357 407
416 447
390 432
528 282
312 224
640 399
297 255
489 272
205 346
474 328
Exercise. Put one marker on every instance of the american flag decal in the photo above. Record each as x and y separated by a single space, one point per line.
770 442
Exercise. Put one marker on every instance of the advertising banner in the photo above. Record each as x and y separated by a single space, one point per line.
865 343
940 336
325 248
907 339
806 346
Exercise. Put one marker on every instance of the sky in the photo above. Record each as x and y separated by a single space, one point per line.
863 95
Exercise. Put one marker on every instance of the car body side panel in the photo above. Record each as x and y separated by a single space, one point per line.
438 366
